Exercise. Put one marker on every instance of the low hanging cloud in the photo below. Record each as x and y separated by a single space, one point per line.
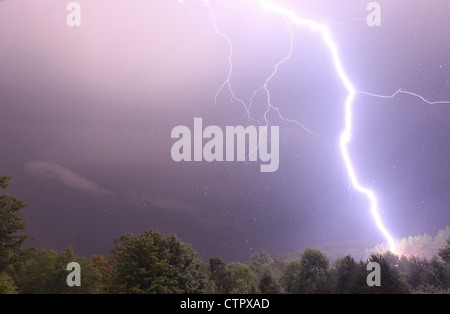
53 170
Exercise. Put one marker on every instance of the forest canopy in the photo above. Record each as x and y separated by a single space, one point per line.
154 263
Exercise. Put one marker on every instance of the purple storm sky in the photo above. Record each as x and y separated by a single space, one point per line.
86 115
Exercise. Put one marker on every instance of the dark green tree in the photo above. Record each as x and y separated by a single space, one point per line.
444 253
309 275
290 277
267 273
104 270
257 260
151 263
45 272
242 279
348 275
11 222
390 278
314 272
436 275
7 285
415 269
220 274
268 281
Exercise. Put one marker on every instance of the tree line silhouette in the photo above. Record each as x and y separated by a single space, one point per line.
153 263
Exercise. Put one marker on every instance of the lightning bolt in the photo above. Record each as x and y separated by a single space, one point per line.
226 85
399 91
346 135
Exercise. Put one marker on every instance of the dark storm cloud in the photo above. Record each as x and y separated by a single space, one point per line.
100 102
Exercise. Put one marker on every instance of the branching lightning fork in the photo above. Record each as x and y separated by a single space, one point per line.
346 134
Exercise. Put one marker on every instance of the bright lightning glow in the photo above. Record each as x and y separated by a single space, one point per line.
346 134
407 93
